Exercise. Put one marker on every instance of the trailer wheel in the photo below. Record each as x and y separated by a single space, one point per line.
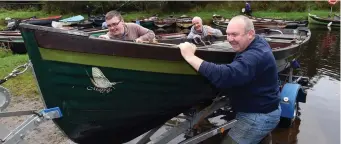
288 122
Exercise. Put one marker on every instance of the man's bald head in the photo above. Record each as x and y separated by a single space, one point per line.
244 21
240 32
197 23
197 19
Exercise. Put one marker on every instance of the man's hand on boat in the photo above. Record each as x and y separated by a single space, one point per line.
138 40
187 49
104 36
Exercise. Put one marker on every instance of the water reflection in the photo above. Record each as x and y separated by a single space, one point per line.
320 116
321 56
286 136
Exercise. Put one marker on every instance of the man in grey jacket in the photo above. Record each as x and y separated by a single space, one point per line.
200 30
120 30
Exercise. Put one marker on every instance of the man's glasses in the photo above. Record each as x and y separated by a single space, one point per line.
114 24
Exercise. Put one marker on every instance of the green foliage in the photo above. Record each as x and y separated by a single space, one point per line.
101 7
4 52
22 85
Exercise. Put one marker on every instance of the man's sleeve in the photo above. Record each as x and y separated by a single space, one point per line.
191 33
213 31
144 33
242 70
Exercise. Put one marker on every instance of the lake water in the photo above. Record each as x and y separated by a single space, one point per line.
320 116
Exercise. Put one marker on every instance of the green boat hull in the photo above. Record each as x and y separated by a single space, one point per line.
112 91
16 44
149 92
320 21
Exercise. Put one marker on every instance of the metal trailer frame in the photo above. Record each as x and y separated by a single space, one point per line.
17 135
218 103
189 123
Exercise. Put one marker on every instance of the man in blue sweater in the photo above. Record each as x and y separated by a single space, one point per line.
251 80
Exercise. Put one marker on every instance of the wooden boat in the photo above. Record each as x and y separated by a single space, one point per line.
261 22
72 20
289 23
269 24
146 22
10 33
97 20
335 21
220 21
165 30
171 36
79 25
184 21
15 43
166 22
42 21
157 36
284 43
111 91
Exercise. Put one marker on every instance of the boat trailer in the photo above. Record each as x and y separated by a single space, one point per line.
17 135
190 122
292 92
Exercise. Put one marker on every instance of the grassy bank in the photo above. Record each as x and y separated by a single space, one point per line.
22 85
27 14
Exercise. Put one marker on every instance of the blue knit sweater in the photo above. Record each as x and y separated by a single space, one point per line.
251 79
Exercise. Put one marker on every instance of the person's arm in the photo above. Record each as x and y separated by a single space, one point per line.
194 61
239 72
144 33
214 32
191 33
105 36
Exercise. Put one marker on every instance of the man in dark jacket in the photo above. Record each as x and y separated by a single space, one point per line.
251 79
248 10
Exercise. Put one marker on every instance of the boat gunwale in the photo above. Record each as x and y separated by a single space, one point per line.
203 49
323 20
51 29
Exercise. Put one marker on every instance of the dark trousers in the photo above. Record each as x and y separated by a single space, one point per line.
249 13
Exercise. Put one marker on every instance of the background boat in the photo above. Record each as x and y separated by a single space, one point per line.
171 36
15 43
289 23
42 21
10 33
146 22
72 20
184 21
220 21
314 19
165 22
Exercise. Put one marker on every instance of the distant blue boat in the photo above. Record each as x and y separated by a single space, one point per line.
72 20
